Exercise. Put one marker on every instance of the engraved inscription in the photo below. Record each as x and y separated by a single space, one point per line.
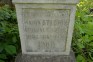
45 30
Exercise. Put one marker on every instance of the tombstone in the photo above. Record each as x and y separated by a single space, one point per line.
46 28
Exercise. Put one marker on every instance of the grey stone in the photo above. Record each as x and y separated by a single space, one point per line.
47 1
45 58
46 26
46 29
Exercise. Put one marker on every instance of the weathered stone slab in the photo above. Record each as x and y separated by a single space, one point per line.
46 58
46 26
45 30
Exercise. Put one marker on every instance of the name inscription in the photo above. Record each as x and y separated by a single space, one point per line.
45 30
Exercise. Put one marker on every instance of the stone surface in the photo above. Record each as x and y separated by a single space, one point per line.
47 1
45 58
46 28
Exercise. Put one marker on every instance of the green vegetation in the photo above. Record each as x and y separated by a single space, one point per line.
82 37
9 39
83 32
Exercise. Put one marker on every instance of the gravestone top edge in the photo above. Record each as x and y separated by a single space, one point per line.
47 1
